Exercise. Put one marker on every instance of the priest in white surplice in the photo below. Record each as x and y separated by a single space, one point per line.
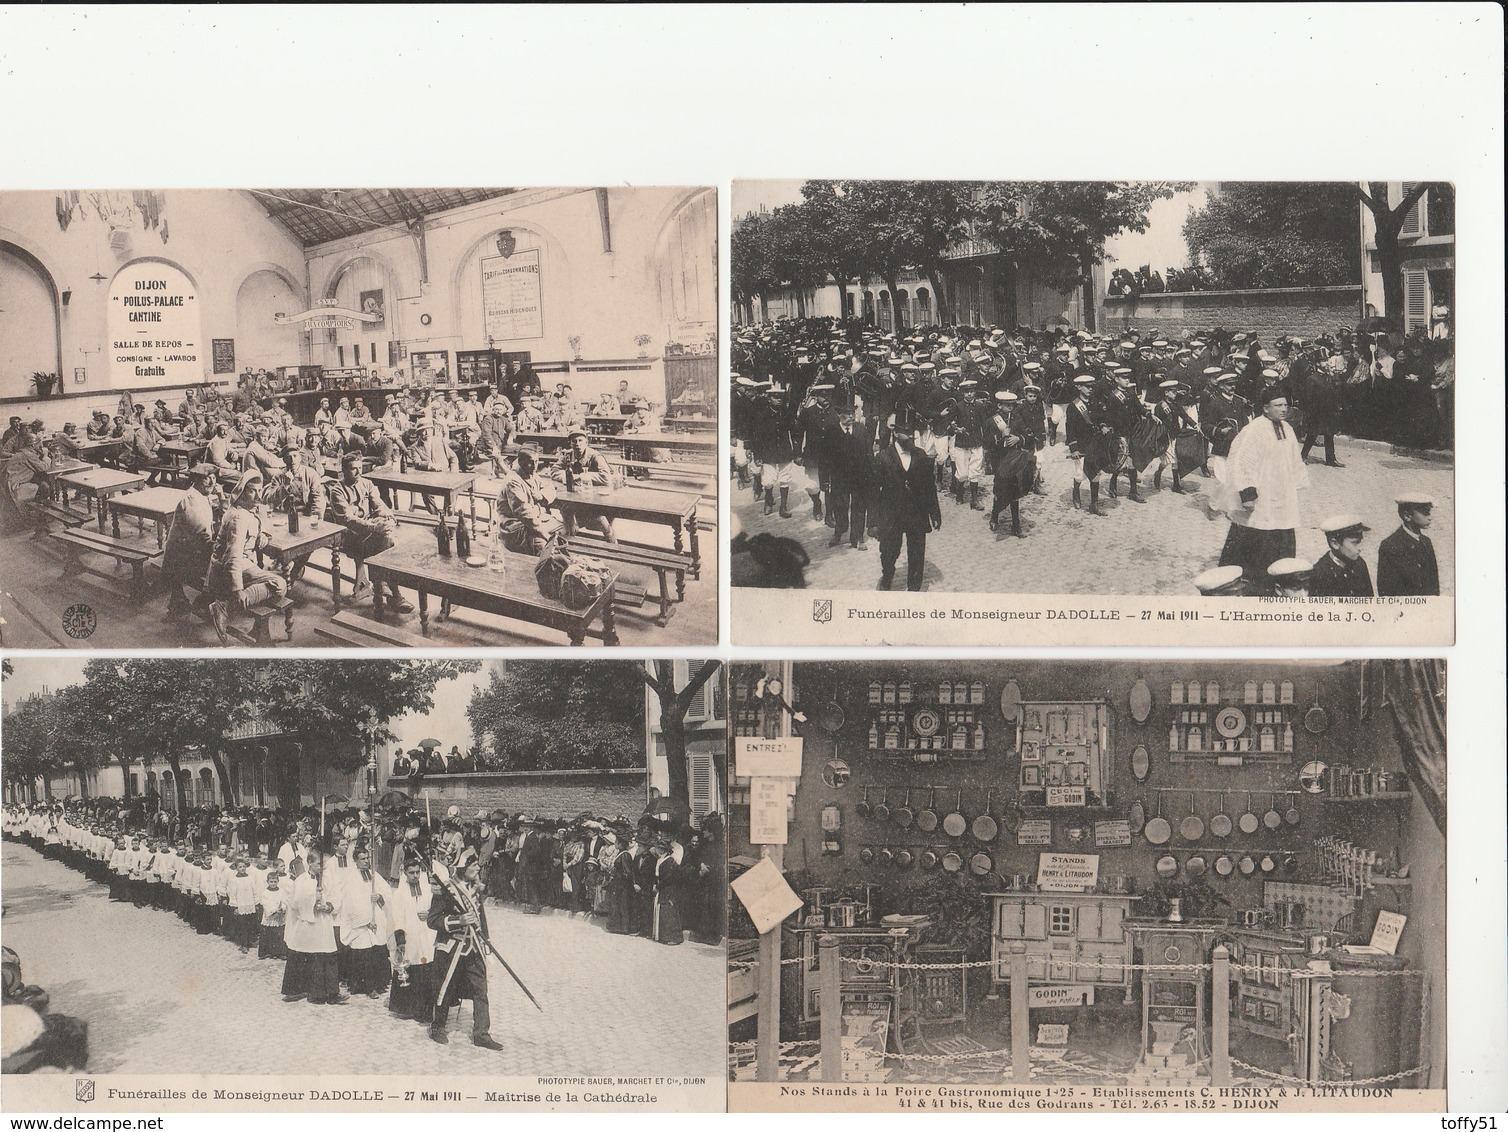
1260 490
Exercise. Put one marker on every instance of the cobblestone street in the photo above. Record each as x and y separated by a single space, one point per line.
160 999
1154 548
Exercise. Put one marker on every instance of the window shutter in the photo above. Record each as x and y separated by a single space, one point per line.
698 709
1412 225
1415 300
701 783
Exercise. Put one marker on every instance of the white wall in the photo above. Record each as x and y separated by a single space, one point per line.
218 238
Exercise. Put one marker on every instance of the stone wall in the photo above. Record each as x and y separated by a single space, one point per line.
1305 311
551 794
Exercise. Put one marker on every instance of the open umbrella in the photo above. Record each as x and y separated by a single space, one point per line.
430 744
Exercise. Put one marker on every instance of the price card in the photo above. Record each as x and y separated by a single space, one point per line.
1112 833
767 811
1034 831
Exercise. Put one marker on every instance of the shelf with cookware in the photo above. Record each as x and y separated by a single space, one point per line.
1062 804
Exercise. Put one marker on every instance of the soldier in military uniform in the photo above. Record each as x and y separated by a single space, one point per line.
1341 571
459 922
1406 565
235 579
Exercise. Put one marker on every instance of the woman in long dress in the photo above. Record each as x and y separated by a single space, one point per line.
669 892
620 893
311 971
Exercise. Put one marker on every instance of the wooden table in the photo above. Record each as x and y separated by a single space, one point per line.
181 454
101 483
447 485
95 450
155 503
671 441
512 592
674 509
61 467
287 550
605 426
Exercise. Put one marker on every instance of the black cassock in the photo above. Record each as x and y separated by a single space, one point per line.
470 977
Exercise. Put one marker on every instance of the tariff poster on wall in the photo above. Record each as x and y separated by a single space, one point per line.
153 323
512 298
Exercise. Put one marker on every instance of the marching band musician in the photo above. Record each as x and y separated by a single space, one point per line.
460 925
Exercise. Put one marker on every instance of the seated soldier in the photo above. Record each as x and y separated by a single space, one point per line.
25 479
495 436
369 524
235 581
583 466
523 508
191 540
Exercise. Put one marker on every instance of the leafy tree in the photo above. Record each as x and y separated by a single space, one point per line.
1389 223
674 703
1058 229
32 752
560 715
751 273
794 257
838 242
1277 234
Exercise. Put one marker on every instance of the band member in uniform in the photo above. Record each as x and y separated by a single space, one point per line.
1260 490
1222 414
905 503
1341 571
1406 565
1173 417
1086 439
1125 414
1015 464
968 445
459 922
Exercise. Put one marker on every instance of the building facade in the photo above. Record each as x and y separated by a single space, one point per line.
1428 243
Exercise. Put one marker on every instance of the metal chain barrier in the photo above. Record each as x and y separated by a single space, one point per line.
1273 1075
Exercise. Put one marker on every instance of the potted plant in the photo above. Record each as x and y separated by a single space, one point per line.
575 343
44 383
641 341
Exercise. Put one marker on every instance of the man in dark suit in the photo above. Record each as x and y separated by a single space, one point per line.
852 481
905 504
1406 565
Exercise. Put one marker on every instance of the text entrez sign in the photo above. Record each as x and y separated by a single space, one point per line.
767 758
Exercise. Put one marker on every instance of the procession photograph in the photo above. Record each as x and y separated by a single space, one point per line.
358 417
1190 391
1086 880
365 868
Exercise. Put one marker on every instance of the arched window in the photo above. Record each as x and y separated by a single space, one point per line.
886 320
261 342
28 322
869 307
923 307
903 308
206 787
362 285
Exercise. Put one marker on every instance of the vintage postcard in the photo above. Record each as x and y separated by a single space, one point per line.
363 885
358 417
1093 413
1206 886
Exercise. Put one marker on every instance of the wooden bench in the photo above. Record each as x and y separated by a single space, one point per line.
58 513
125 553
352 629
259 636
663 562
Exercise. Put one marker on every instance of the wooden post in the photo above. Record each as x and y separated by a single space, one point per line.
1021 1025
831 967
767 1038
1220 1019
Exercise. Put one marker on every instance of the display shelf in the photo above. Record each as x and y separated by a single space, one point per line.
1362 799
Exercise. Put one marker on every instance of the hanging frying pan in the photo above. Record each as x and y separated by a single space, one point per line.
1138 817
1224 866
1141 763
866 855
882 811
930 859
863 806
927 819
1220 824
904 859
1167 866
981 864
1141 701
1010 702
904 815
955 825
1192 827
951 861
1268 864
1247 865
1158 830
1291 814
1272 819
984 827
1290 864
829 717
1316 720
1195 866
1249 821
887 856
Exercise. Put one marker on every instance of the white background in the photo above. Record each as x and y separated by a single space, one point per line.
404 95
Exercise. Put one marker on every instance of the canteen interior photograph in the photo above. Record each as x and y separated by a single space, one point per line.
359 417
1181 873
